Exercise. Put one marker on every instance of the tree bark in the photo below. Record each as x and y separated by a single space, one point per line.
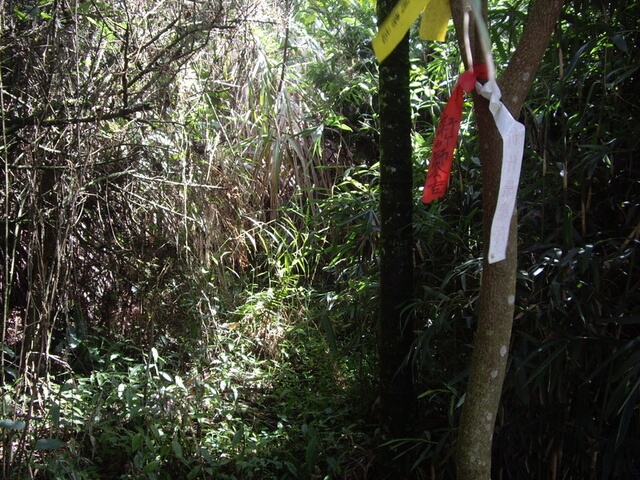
497 295
395 327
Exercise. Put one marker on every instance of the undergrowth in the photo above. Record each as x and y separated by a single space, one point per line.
234 411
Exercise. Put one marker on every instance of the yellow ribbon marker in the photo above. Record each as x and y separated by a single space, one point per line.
435 20
395 27
433 26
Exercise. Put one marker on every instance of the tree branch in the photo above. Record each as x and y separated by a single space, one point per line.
525 62
15 124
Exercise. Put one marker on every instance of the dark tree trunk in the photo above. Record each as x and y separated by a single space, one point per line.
395 331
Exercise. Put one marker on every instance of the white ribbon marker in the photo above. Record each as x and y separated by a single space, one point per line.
512 133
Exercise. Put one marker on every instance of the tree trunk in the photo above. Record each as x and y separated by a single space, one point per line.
395 330
497 295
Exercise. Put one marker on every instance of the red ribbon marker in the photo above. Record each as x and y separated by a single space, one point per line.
444 144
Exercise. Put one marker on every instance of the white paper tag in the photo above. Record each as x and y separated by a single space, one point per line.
512 133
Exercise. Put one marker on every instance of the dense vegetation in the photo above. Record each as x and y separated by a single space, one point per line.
190 244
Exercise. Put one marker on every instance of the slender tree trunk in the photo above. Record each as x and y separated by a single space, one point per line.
395 330
497 296
43 257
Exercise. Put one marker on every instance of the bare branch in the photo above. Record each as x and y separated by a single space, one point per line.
15 124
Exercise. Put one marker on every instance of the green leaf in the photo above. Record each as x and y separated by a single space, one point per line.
576 58
625 418
136 441
620 75
619 41
238 436
19 14
12 425
177 449
206 456
7 351
311 452
330 333
49 444
195 472
151 466
54 412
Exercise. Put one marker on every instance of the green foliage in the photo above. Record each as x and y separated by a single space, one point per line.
190 239
577 324
238 415
565 413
